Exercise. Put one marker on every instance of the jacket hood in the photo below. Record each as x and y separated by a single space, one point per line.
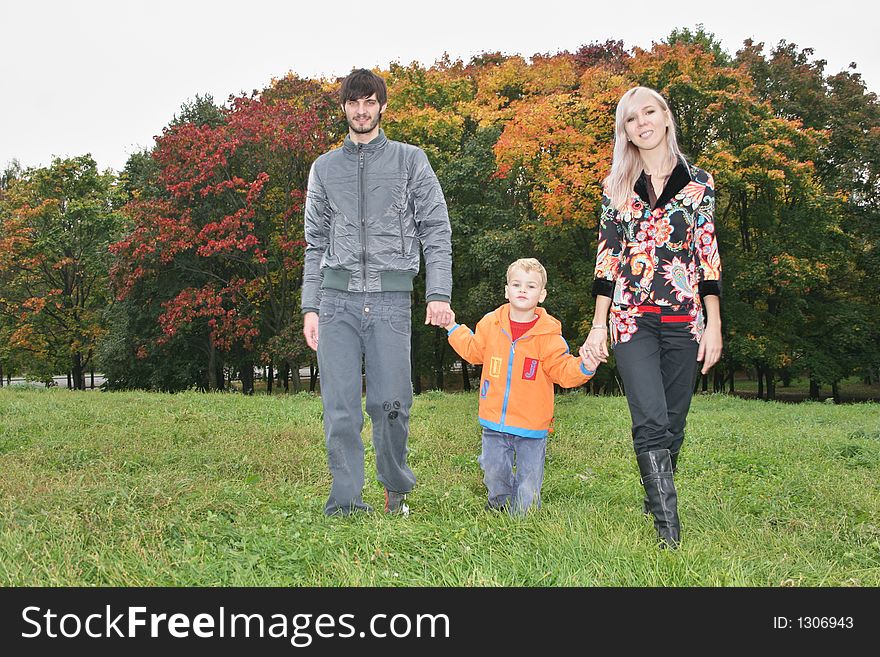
545 324
377 144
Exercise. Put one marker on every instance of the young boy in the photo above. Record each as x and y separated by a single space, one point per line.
523 354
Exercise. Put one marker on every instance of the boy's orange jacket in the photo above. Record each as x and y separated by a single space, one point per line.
516 388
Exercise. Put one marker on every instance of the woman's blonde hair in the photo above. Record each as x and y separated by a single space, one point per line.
626 165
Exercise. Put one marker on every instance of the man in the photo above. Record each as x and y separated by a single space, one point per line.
370 206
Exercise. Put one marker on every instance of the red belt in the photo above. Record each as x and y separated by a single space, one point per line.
666 319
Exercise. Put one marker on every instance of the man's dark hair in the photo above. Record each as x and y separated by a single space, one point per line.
363 83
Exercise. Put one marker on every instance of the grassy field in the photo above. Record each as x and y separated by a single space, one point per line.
128 489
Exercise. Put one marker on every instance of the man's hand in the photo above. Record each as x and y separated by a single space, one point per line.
439 313
310 329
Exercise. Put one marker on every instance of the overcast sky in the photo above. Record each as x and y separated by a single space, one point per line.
103 77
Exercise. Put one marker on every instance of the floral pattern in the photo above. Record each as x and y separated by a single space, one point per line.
660 256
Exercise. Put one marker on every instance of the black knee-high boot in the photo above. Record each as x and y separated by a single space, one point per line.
656 470
674 455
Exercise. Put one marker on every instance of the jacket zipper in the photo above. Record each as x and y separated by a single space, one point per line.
402 242
362 212
332 236
511 357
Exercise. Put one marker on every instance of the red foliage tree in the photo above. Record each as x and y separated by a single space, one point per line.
227 230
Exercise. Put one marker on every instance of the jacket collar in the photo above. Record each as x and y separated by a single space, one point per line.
545 324
680 177
377 144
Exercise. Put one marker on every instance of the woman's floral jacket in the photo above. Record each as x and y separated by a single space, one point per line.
663 258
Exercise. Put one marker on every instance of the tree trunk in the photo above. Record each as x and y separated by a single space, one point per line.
212 364
1 375
731 382
835 392
78 372
270 378
247 378
285 375
438 366
313 375
221 380
785 375
760 383
705 378
92 372
297 382
69 382
465 379
771 384
814 389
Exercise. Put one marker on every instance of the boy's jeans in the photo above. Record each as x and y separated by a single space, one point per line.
518 490
374 326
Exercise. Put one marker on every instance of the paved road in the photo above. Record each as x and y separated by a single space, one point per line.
60 381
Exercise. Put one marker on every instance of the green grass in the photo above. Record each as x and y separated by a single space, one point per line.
127 489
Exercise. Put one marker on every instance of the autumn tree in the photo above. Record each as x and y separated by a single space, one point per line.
219 248
838 333
426 109
56 225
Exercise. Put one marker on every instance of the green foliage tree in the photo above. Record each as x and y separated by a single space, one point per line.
57 222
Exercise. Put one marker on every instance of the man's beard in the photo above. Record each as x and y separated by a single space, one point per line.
366 128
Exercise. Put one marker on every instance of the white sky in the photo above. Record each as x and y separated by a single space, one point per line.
103 77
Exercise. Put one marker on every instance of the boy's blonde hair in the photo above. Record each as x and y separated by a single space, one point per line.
527 265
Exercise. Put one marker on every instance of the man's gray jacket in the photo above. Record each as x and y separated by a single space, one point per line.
369 208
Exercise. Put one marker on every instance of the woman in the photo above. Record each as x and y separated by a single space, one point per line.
659 274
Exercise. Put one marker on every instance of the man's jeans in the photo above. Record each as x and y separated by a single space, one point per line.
518 490
375 327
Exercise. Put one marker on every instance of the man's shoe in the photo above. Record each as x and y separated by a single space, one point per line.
395 503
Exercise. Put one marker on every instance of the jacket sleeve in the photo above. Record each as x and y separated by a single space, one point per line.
317 233
608 251
562 367
432 224
705 245
467 344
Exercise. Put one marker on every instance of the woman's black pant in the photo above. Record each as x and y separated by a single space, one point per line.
658 366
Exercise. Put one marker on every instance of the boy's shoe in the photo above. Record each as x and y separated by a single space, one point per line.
395 503
497 506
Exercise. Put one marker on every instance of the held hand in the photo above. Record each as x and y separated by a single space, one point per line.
310 329
451 321
596 345
590 362
710 348
438 314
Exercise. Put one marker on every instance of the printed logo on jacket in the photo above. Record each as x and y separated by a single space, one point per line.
530 369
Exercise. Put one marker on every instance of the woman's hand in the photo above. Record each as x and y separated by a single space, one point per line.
596 345
710 347
710 344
